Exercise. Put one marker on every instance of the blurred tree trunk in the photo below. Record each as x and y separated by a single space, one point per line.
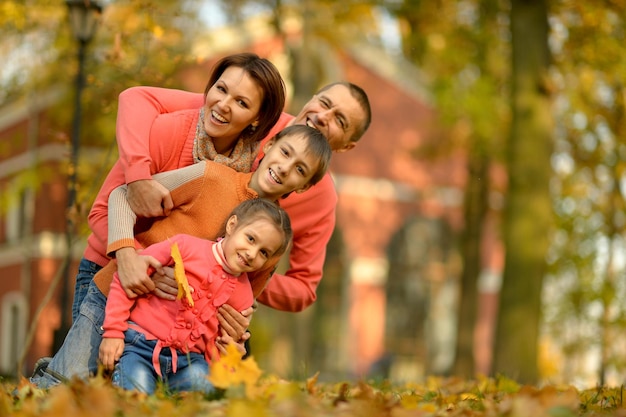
475 208
475 204
614 209
528 211
306 73
608 291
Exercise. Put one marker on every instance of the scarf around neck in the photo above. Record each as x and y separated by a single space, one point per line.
240 159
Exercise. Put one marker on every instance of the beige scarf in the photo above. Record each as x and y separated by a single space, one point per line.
240 159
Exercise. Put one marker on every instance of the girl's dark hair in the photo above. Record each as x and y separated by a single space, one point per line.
265 74
260 208
316 145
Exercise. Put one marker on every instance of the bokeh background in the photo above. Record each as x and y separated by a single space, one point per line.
480 225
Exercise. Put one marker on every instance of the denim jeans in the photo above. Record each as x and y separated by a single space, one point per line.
78 357
135 369
86 271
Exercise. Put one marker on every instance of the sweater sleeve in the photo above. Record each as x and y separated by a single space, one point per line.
119 306
122 219
117 311
138 107
313 218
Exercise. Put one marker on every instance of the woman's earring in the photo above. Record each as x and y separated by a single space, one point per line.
253 127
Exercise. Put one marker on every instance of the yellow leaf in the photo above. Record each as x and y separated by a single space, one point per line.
179 275
158 31
231 371
237 408
310 383
469 396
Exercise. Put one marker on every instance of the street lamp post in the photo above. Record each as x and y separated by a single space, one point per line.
83 16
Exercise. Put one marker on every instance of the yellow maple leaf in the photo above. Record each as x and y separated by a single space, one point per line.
179 275
158 32
230 370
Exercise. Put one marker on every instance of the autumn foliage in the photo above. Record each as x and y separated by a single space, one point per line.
243 390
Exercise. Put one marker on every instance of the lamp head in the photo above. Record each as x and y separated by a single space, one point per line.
83 18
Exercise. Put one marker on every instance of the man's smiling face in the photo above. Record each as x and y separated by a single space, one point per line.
335 113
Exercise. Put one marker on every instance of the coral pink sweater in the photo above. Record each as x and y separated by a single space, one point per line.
176 324
312 213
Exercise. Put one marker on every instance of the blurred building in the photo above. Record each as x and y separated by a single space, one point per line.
32 247
397 221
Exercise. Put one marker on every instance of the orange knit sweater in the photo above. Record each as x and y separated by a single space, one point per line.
204 194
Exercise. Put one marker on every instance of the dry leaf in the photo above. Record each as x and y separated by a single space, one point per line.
179 275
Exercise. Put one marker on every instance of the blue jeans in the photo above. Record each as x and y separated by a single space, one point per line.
135 369
78 357
86 271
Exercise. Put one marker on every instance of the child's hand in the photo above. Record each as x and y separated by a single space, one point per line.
110 352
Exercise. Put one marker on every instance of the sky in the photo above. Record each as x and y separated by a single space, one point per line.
214 17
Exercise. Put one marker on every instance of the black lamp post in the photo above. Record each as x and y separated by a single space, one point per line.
83 16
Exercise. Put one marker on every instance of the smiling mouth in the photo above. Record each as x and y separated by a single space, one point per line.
218 117
309 123
274 176
243 261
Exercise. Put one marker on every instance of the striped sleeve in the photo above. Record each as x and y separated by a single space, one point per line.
122 219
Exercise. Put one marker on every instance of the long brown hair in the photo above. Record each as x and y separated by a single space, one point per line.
265 74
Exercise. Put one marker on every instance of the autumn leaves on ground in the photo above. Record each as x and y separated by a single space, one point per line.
246 391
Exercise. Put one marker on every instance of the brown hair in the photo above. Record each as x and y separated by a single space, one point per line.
265 74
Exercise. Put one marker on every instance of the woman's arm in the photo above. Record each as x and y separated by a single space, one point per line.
137 109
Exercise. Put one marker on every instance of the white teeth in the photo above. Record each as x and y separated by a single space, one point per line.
309 123
274 176
218 116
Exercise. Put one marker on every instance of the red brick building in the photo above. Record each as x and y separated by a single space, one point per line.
381 187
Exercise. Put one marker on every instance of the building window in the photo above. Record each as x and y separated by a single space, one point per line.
19 215
12 331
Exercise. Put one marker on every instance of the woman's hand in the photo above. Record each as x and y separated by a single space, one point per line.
233 322
149 198
110 352
132 269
